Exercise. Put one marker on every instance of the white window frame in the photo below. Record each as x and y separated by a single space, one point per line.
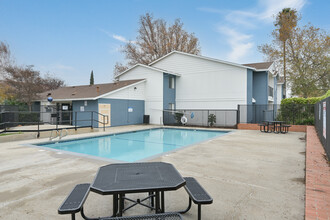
171 82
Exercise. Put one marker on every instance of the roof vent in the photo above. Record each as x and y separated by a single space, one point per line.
97 89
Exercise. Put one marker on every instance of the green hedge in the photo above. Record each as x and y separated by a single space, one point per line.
299 111
312 100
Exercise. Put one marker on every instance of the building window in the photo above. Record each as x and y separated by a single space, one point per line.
170 106
270 91
171 82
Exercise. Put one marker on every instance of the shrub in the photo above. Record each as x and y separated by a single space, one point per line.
212 119
177 117
299 110
311 100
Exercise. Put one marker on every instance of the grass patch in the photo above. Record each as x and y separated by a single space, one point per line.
6 134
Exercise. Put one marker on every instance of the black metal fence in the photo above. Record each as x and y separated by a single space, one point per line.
221 118
49 120
295 114
322 123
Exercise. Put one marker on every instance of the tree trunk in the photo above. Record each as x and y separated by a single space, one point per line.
284 69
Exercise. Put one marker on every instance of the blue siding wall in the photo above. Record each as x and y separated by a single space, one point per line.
120 114
260 87
86 115
168 93
249 94
249 87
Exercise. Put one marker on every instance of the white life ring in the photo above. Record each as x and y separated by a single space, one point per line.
184 120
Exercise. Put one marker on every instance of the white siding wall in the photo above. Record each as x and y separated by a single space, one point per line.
205 84
153 91
279 93
129 93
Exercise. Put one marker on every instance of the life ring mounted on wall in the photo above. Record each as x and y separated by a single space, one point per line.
184 120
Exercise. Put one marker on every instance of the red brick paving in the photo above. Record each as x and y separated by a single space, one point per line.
317 179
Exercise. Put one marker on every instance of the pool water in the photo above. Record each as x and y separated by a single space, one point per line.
134 146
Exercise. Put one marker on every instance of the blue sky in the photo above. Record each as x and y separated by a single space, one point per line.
70 38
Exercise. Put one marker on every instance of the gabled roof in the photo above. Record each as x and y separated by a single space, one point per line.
148 67
259 66
201 57
87 92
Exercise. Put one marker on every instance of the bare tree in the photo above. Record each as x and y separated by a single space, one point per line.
156 39
25 83
49 82
4 58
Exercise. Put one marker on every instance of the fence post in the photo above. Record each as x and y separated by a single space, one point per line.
38 135
207 118
75 121
238 115
92 121
57 118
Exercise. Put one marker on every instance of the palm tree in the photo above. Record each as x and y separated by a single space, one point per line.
286 20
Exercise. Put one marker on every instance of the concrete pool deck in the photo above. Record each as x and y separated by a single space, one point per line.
249 174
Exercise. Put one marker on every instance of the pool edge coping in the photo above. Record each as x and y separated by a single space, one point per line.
35 145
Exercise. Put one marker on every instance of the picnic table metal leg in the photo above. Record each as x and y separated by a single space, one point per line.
115 205
163 201
199 212
121 204
157 202
152 200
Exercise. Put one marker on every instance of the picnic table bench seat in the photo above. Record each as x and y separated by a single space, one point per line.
76 199
285 129
163 216
264 127
197 194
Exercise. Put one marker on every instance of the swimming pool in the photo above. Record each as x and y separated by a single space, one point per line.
135 146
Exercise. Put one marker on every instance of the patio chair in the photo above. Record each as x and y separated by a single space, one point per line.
76 199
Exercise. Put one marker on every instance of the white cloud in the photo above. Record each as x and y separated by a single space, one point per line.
120 38
272 7
264 11
242 18
240 43
117 37
237 22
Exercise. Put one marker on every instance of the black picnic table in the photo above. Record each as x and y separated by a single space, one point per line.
124 178
275 124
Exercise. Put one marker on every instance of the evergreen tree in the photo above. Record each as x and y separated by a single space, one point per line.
91 80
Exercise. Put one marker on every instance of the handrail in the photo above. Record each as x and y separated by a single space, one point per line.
51 134
72 121
61 135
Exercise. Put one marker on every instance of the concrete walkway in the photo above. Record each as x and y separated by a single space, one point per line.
250 175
